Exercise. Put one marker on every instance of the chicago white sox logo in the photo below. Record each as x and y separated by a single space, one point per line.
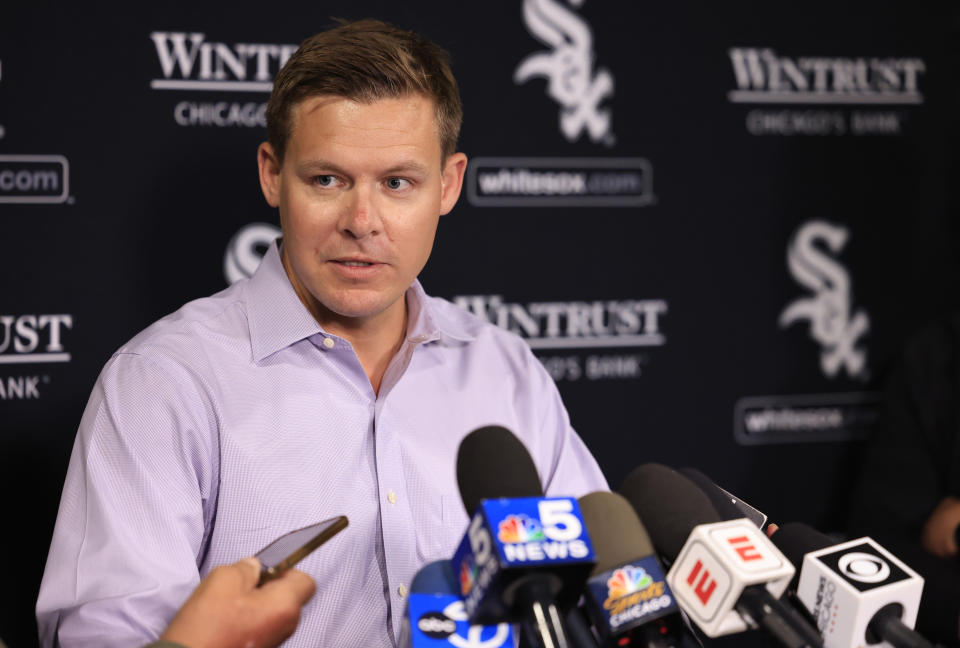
828 310
568 69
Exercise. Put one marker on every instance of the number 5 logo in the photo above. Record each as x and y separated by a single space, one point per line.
559 522
479 540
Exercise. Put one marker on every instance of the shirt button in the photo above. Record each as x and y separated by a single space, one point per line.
328 342
392 498
402 590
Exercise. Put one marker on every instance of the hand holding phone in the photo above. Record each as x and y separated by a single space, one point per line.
287 550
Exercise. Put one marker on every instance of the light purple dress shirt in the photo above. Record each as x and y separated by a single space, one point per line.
237 419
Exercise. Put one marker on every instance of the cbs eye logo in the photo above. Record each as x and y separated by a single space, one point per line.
864 567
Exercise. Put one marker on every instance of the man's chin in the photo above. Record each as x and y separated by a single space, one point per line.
359 308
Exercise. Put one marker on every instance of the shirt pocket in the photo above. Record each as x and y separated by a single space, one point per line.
445 530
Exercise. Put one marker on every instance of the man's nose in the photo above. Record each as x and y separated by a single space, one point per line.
360 218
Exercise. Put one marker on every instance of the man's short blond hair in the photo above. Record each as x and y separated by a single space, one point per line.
365 61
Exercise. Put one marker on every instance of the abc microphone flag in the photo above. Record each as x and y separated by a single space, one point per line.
436 616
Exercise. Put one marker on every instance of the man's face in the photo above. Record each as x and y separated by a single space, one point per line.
360 192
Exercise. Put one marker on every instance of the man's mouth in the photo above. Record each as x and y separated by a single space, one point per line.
355 264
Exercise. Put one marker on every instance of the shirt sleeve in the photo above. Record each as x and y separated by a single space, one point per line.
140 491
567 468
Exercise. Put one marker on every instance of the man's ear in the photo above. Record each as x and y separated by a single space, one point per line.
451 182
269 167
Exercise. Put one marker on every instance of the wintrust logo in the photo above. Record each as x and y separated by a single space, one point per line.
824 95
565 325
763 76
29 340
188 62
568 68
832 322
577 327
33 338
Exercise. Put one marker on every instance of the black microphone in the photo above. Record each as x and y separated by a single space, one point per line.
525 557
726 574
857 591
627 596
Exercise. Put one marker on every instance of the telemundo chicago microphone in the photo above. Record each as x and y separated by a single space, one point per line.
627 597
525 557
857 591
436 615
726 575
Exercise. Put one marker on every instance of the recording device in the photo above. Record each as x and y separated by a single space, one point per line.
436 616
726 575
627 597
525 557
728 505
857 591
290 548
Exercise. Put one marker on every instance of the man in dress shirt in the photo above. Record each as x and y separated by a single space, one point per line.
329 383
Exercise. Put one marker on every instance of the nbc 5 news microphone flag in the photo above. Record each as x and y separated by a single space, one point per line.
519 533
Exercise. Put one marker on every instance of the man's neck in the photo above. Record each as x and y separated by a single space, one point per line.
375 340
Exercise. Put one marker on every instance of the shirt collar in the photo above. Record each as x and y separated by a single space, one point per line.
278 318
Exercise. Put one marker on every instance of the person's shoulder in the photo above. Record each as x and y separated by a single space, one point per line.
459 322
217 319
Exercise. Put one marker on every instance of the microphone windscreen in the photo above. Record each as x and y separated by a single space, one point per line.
721 501
796 539
669 505
492 463
615 531
435 578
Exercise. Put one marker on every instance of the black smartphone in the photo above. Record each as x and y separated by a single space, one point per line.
287 550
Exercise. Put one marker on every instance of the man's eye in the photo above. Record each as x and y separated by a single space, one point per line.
397 183
324 180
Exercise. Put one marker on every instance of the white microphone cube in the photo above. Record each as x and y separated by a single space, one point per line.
717 562
845 585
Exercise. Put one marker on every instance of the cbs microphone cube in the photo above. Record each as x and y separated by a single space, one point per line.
845 585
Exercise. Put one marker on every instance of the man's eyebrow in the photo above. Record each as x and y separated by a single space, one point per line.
321 165
408 166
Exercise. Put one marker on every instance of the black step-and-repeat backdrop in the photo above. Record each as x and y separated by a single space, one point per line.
714 224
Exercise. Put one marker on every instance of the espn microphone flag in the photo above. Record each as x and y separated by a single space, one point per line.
718 561
844 586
